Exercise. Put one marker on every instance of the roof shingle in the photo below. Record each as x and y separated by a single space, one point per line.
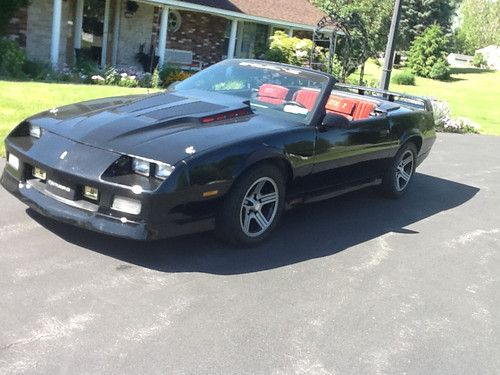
295 11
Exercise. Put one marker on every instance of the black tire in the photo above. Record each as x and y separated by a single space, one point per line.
240 206
395 183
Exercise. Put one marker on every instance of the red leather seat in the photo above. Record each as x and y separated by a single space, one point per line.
340 105
363 110
352 109
306 97
273 94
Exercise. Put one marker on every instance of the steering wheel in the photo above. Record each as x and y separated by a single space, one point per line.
293 102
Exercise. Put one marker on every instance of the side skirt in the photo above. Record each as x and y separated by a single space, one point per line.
327 194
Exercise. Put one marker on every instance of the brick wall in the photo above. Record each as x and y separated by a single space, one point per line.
203 34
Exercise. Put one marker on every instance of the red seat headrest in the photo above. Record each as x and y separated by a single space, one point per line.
306 97
270 93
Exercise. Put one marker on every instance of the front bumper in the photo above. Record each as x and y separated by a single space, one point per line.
165 212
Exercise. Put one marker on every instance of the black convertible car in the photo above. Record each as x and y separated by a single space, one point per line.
229 148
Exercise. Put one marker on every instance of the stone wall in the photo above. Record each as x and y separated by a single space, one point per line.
134 31
17 28
39 30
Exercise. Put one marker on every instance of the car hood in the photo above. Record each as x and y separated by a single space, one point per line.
163 126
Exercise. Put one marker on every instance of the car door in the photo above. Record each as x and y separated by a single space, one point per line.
353 153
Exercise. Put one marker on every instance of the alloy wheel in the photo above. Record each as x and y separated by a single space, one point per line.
404 170
259 207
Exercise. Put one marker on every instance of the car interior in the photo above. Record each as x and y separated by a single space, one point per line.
349 106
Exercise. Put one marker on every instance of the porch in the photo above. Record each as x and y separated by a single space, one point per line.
148 32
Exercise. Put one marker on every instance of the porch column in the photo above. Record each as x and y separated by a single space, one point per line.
232 39
77 33
56 33
105 33
116 31
162 38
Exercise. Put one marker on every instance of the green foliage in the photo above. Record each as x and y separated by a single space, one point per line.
12 59
155 79
418 15
375 14
479 27
479 60
428 50
37 70
405 77
9 8
289 50
440 70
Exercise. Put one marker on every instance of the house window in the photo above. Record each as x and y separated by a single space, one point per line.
92 31
252 40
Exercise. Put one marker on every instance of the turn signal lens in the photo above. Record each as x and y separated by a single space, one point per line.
163 170
35 131
141 166
127 205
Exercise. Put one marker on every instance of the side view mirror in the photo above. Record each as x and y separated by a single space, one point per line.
334 120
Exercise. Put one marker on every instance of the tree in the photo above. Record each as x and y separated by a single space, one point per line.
418 15
426 57
479 25
375 14
9 8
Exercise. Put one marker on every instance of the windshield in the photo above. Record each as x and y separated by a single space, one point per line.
274 89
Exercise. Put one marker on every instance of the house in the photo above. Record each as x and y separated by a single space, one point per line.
491 55
457 60
113 32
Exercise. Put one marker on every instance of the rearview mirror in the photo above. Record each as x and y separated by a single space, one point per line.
334 120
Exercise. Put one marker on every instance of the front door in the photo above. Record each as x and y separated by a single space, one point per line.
351 154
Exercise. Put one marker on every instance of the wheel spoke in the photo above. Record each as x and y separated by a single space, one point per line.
268 198
258 188
246 222
406 161
261 220
404 175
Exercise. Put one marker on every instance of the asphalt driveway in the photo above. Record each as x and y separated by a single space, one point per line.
357 284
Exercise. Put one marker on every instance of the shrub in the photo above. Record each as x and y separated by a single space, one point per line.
479 60
445 123
440 70
12 59
175 77
37 70
428 50
155 79
405 77
289 50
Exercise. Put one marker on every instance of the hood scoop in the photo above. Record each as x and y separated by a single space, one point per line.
186 109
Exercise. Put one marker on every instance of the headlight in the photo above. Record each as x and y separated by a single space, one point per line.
162 170
128 205
35 131
141 166
144 167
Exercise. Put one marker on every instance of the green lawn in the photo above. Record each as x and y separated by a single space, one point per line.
19 100
474 94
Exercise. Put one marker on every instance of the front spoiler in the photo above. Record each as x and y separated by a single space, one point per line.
60 211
